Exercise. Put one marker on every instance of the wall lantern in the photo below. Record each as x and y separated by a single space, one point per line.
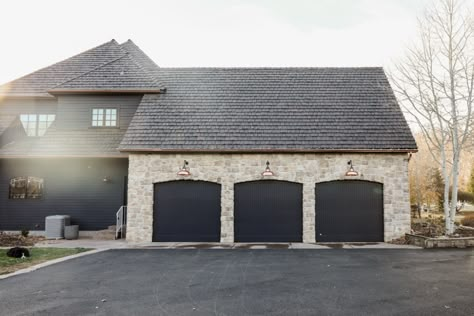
106 179
184 171
351 172
267 171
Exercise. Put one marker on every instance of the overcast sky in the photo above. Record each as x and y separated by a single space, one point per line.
35 34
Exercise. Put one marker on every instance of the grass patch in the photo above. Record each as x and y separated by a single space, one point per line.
37 255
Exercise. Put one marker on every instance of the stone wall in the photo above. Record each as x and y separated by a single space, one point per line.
227 169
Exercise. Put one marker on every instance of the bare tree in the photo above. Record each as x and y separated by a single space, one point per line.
435 85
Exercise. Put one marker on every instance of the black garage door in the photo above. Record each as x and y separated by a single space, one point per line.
349 211
268 211
187 211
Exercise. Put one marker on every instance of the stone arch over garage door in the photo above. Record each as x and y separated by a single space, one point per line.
187 211
268 211
349 211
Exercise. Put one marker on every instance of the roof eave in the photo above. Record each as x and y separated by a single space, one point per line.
26 96
104 91
26 156
269 150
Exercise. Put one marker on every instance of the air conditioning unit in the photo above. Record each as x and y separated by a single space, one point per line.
54 226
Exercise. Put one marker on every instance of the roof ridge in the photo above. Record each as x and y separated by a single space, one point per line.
150 76
138 48
88 72
145 69
113 41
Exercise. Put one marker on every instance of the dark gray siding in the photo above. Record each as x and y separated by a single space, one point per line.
27 106
73 187
14 132
75 111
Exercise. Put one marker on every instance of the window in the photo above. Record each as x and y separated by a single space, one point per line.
36 124
26 188
104 117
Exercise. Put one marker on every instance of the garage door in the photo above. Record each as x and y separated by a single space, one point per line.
187 211
349 211
268 211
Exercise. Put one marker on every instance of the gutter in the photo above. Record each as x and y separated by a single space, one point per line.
124 155
104 91
267 150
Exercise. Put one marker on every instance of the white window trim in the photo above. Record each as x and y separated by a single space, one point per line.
38 132
104 118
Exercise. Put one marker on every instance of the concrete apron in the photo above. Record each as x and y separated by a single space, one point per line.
122 244
83 243
191 245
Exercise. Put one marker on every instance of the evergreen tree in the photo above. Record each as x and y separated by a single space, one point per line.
437 186
471 180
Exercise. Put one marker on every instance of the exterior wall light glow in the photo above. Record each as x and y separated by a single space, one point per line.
351 172
106 179
184 171
268 172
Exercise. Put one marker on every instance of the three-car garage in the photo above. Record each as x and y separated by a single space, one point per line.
268 211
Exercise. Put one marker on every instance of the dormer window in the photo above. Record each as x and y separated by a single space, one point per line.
104 117
37 124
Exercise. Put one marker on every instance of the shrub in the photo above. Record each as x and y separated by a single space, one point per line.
25 232
468 220
466 196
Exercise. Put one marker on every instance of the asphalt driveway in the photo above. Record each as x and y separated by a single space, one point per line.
248 282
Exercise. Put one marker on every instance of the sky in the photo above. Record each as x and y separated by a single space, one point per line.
217 33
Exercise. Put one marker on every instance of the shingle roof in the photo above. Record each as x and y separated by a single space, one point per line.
108 66
120 74
278 109
145 62
220 109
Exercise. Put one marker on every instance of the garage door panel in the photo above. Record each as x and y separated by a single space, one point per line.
268 211
187 211
349 211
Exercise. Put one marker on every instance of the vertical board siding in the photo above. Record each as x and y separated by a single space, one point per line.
72 187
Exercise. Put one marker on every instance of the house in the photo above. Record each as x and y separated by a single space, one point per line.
205 154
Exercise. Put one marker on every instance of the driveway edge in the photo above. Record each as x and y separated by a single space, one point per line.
51 262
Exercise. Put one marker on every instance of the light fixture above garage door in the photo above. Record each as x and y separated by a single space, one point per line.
184 171
268 172
351 172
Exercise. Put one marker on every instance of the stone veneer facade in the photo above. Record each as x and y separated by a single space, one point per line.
226 169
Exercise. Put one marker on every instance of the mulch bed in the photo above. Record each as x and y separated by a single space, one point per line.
465 232
399 241
431 228
13 240
435 228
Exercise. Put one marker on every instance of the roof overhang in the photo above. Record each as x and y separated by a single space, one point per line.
26 96
122 155
269 150
104 91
